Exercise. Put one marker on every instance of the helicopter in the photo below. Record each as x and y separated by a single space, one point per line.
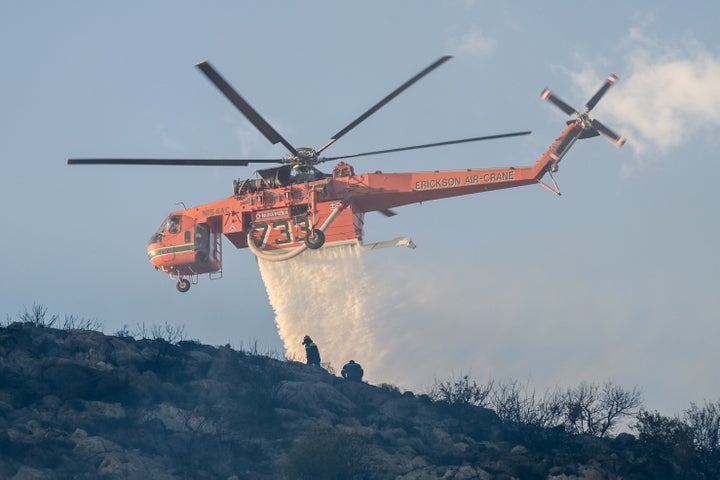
282 211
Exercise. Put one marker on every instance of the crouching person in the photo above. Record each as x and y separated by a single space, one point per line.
352 371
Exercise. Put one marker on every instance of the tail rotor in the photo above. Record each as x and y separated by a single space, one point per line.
591 127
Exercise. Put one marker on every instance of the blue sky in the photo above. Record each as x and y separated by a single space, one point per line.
617 278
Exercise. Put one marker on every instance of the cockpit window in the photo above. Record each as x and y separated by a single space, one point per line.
170 225
156 238
173 224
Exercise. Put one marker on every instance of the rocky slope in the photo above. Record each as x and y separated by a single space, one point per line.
78 404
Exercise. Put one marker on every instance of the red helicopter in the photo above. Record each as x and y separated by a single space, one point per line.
280 212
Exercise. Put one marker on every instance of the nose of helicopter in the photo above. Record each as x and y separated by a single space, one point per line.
154 250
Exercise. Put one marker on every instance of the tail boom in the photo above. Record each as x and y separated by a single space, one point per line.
380 191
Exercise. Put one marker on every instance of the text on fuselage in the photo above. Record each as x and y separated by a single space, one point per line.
468 180
211 212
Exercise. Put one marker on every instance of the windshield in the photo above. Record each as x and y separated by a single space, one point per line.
170 225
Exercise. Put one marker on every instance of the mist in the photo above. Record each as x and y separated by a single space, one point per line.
357 305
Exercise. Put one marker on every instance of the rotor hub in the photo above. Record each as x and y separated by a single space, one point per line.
584 121
305 157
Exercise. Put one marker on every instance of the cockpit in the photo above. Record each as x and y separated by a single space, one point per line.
181 247
170 226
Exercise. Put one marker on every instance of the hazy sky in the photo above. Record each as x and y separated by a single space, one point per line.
616 279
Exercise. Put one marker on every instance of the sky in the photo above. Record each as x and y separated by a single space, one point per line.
615 279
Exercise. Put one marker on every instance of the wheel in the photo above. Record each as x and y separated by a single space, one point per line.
315 239
183 285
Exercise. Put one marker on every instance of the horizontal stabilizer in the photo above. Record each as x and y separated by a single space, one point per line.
395 242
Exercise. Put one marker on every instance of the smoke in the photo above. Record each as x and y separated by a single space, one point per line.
668 95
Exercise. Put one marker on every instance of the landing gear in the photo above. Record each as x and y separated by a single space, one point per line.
183 285
315 239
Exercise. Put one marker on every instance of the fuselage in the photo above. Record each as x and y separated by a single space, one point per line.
277 211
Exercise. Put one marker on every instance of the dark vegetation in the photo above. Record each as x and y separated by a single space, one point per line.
147 403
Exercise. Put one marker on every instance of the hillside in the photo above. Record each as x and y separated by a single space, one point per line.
79 404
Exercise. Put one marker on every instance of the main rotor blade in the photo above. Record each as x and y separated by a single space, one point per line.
230 162
599 94
548 95
385 100
244 107
427 145
618 140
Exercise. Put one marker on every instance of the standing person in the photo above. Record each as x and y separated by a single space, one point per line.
352 371
311 350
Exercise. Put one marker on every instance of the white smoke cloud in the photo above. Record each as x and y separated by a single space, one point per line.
667 96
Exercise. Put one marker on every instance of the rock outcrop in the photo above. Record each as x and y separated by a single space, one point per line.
78 404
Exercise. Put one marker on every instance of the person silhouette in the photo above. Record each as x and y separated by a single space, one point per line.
352 371
311 351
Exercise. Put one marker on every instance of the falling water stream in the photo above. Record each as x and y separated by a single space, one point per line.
324 293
